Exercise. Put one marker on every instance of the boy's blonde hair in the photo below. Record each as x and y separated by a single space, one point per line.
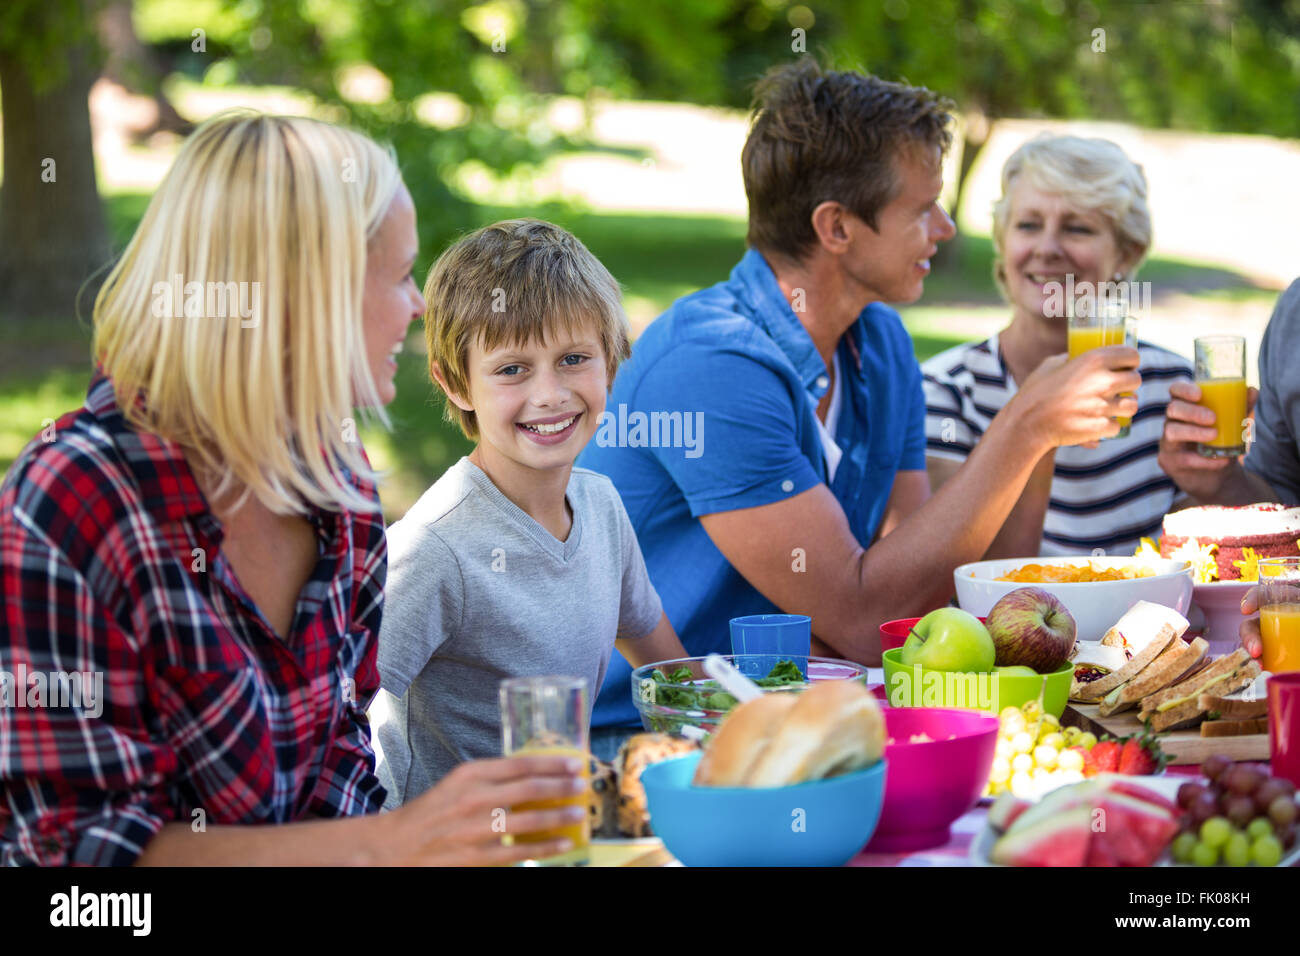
279 210
1093 174
513 282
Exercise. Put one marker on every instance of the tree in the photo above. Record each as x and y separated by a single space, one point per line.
52 234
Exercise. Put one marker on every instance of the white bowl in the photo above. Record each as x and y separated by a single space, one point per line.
1095 605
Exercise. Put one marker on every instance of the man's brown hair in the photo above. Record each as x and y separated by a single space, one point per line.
819 136
510 283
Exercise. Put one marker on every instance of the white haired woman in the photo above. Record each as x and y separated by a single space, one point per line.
202 539
1075 211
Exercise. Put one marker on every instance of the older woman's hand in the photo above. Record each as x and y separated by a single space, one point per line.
1249 628
460 821
1187 423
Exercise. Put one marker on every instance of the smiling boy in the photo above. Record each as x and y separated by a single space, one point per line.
514 563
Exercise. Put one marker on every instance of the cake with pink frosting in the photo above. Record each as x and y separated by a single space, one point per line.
1270 529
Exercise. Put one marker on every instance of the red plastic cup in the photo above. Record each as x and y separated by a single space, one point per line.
1284 725
894 633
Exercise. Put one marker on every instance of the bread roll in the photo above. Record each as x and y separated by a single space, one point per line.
741 739
834 727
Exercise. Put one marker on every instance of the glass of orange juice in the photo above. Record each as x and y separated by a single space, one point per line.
1279 614
1221 377
548 715
1103 322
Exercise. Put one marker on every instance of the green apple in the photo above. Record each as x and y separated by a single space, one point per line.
949 639
1016 670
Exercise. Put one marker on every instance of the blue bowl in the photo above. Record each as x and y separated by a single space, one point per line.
822 823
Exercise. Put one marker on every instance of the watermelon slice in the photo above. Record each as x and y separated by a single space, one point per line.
1059 840
1124 785
1005 810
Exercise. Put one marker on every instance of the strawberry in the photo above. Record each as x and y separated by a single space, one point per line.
1103 757
1141 756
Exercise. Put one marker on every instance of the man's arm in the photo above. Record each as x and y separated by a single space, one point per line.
801 554
1021 535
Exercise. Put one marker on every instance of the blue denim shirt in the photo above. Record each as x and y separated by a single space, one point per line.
735 361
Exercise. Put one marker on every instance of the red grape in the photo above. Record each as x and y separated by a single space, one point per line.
1189 792
1287 835
1239 810
1214 766
1283 811
1202 808
1244 778
1267 792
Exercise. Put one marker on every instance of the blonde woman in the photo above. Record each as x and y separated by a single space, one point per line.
1070 207
199 550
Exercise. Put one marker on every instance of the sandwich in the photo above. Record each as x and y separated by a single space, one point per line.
1092 661
1181 704
1245 712
1142 634
1176 661
833 727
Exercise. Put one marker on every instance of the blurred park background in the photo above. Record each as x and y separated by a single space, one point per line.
623 121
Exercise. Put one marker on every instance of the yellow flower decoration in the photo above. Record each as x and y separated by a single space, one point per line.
1205 570
1248 565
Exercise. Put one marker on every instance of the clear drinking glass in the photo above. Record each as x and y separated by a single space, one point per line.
1279 614
1103 321
548 715
1221 377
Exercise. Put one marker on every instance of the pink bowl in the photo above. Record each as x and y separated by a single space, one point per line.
894 633
929 785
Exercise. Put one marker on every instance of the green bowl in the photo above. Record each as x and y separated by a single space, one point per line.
968 690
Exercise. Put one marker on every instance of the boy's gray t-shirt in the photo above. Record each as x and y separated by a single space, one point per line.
479 591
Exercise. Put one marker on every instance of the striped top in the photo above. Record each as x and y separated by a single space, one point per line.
1102 498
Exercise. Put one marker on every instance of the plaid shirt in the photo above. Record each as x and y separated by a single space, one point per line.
110 563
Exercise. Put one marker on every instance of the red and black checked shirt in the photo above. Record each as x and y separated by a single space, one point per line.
110 563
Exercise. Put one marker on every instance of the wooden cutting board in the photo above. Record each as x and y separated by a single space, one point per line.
1183 746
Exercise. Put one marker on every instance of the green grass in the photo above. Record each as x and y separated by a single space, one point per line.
44 367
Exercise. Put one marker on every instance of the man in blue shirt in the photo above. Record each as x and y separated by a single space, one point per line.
796 480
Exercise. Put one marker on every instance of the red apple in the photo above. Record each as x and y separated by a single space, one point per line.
1030 626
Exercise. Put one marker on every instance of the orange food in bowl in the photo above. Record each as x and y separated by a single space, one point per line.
1075 573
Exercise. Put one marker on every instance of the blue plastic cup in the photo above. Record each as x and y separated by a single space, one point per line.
774 637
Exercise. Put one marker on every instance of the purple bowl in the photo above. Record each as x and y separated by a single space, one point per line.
931 784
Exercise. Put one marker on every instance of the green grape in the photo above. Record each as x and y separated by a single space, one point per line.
1184 843
1070 760
1000 772
1045 756
1259 827
1203 855
1215 832
1087 740
1055 741
1267 851
1236 852
1022 763
1022 743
